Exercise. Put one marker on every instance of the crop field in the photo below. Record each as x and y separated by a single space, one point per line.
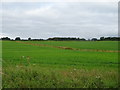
60 64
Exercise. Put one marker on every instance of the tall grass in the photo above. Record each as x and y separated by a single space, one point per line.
33 76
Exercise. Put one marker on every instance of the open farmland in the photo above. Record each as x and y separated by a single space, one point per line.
60 64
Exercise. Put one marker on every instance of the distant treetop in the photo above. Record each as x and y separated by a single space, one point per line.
65 39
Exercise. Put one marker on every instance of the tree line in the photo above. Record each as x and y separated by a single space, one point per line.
64 39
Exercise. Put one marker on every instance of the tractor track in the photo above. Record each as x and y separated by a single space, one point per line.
68 48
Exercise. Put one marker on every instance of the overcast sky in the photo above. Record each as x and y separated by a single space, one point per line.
53 19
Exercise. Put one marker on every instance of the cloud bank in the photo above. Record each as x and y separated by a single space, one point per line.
44 20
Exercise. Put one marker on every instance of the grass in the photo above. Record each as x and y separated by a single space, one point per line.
101 45
47 67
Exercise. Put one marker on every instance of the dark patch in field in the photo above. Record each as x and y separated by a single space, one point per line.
69 48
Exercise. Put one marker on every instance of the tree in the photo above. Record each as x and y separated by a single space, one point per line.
29 39
102 38
5 38
94 39
17 38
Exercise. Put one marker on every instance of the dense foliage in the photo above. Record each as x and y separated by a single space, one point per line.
66 39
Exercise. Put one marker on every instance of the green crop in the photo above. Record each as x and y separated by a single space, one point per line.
37 66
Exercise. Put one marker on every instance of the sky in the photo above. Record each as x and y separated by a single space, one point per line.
59 19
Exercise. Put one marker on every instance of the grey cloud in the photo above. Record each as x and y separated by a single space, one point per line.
66 19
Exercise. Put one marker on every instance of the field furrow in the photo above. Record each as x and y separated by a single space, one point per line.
69 48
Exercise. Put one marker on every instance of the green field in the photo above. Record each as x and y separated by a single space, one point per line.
37 66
